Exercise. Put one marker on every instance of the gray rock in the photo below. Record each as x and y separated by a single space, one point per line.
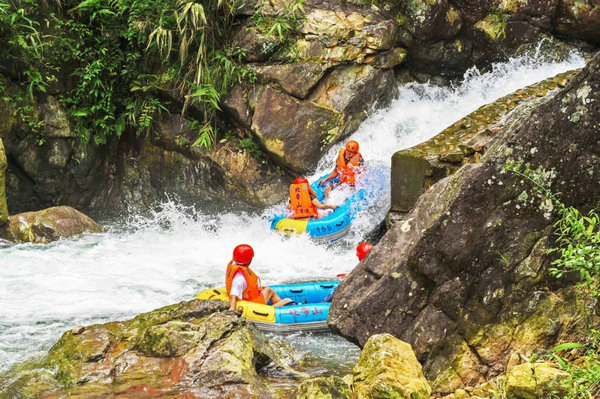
467 258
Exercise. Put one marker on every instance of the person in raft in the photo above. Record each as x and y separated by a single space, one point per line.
362 250
242 283
303 200
347 166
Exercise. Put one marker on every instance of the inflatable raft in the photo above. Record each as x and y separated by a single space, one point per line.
326 229
310 313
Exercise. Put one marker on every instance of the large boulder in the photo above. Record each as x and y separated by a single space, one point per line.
387 368
47 225
193 349
3 207
293 132
464 278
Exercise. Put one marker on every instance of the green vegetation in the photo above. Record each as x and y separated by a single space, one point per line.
578 236
120 63
281 25
251 147
585 369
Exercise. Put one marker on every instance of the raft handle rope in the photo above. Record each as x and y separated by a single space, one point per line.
327 286
297 291
260 313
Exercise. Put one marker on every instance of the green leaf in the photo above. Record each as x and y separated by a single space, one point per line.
567 346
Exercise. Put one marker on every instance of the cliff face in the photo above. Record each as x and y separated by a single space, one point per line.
306 89
464 277
3 207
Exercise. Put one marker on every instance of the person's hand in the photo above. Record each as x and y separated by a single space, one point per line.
334 207
321 183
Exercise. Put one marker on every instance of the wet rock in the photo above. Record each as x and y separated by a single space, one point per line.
537 380
471 256
352 91
296 79
388 368
48 225
323 387
293 132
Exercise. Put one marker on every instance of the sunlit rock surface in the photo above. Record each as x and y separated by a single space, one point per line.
464 278
537 380
42 227
192 349
387 368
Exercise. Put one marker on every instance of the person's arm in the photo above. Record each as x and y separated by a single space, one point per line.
238 286
332 175
232 302
321 205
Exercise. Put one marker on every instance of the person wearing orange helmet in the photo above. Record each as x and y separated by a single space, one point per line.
303 200
242 283
347 166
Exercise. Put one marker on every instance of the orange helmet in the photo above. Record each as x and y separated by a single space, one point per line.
300 180
352 146
363 249
243 254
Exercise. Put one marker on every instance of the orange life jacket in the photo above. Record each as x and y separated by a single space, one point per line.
252 292
301 201
348 171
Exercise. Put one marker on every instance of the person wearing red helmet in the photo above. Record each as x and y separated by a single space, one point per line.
242 283
363 249
303 200
347 166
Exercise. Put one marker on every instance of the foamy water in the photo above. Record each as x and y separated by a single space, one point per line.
146 262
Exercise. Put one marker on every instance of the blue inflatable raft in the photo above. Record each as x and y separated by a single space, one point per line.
310 313
329 228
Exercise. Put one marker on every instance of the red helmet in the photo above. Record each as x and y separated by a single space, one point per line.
363 249
243 254
300 180
352 146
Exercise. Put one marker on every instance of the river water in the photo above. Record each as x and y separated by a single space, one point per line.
145 262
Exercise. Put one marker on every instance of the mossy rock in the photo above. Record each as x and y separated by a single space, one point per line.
323 388
537 380
388 368
48 225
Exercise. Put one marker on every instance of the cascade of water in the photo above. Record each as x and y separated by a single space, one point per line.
147 262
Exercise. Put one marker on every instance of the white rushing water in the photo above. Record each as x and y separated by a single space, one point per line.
143 263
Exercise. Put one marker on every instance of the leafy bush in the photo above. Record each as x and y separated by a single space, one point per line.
127 56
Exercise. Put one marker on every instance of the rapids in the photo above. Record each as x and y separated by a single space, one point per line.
147 261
